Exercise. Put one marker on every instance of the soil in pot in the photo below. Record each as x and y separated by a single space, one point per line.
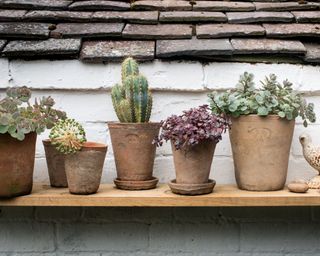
84 168
133 149
16 165
261 147
56 165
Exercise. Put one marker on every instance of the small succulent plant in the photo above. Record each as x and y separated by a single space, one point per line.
19 117
192 127
273 98
132 99
67 136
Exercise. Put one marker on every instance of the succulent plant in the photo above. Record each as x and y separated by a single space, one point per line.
272 98
132 99
193 126
67 136
18 117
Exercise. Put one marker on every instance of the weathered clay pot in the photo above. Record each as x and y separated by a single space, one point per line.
16 165
133 149
84 168
261 147
193 164
55 163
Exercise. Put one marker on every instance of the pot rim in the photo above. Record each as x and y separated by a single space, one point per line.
142 126
92 144
255 116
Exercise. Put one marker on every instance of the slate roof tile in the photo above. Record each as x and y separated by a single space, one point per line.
143 17
228 30
313 52
223 6
256 17
266 46
98 5
35 4
62 16
99 51
292 30
24 30
286 6
12 15
50 47
187 16
305 17
165 5
165 31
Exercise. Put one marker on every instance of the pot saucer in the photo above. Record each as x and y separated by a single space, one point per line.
192 189
136 185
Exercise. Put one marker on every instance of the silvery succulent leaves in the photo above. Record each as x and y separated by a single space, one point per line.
19 117
272 98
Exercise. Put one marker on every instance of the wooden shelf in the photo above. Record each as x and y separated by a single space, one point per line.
108 196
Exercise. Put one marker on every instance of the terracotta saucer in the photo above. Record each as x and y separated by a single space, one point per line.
136 185
192 189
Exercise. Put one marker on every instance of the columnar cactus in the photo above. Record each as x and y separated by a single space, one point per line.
132 99
67 136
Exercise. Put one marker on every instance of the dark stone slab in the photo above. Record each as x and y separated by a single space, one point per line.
67 30
223 6
310 16
254 17
50 47
228 30
266 46
24 30
2 44
11 15
98 5
286 6
144 17
313 52
185 16
165 5
99 51
292 30
193 47
61 16
35 4
165 31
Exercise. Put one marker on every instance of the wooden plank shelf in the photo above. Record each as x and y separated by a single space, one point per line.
108 196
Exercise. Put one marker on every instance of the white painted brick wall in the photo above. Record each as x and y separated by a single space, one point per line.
83 90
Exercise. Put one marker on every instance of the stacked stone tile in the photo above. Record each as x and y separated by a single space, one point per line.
103 30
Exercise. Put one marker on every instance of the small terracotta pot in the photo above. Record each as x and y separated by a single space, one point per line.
193 164
16 165
55 163
133 149
260 148
84 168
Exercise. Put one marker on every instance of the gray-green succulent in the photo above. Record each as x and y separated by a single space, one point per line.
273 98
67 136
132 99
19 117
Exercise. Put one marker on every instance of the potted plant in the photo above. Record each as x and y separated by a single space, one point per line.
193 136
132 138
20 122
83 160
263 121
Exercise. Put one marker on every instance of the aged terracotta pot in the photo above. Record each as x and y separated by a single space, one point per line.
260 148
84 168
16 165
193 164
133 149
55 163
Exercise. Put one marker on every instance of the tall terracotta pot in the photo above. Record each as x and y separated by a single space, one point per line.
192 164
56 166
260 148
84 168
133 149
16 165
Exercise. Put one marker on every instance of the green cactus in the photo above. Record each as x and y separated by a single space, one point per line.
132 99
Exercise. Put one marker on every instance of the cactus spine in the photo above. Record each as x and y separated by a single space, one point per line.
132 99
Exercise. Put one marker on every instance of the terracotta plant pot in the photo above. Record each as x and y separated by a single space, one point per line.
16 165
260 148
193 164
84 168
55 163
133 149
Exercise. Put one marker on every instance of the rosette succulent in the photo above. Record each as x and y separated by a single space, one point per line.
67 136
19 117
273 98
192 127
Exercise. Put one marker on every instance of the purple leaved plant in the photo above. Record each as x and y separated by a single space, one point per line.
192 127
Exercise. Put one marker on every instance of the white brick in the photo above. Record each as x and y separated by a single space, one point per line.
4 73
26 237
